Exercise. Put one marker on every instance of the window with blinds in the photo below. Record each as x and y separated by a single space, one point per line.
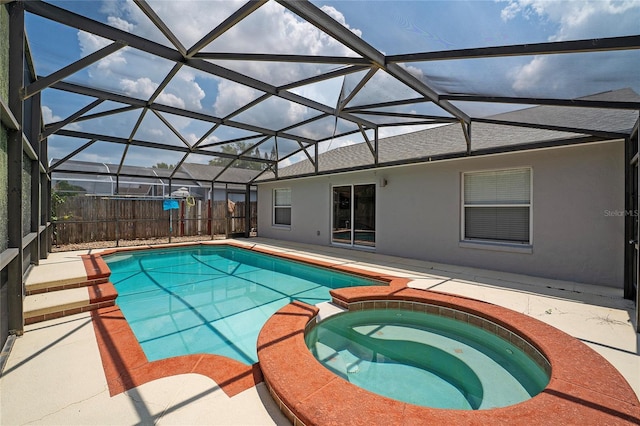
497 206
282 207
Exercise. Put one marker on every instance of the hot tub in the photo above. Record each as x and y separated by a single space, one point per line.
428 359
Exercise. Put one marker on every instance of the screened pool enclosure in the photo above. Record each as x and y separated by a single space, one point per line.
148 97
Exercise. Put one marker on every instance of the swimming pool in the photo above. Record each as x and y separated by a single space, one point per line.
212 299
426 359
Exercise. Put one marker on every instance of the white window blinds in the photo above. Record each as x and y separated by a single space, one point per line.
283 197
282 207
498 187
497 205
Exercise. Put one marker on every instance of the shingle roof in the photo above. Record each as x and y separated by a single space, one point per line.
448 140
189 173
205 172
438 142
594 119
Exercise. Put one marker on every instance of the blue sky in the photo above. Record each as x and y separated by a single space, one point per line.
420 26
393 27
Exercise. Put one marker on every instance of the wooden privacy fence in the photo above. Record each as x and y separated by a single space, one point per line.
89 219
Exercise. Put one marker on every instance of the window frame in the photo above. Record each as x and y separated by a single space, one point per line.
276 207
496 244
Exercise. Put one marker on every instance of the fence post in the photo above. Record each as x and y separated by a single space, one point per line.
117 211
182 211
227 216
247 211
209 219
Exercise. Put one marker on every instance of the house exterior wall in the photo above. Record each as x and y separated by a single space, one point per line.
577 212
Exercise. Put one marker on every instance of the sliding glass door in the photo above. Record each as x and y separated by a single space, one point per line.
354 215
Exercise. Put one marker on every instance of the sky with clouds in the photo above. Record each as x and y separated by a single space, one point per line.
393 27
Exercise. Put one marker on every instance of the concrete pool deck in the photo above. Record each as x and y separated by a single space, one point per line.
54 373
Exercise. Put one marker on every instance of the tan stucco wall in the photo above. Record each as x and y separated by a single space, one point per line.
578 212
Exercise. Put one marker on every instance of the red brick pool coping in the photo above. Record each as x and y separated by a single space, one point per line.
584 387
123 360
126 366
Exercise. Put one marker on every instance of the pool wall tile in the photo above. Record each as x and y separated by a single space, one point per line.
458 315
419 307
368 305
489 326
519 342
393 304
355 306
431 309
504 333
379 305
407 305
461 316
446 312
475 320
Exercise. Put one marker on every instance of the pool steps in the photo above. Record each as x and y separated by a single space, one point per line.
53 291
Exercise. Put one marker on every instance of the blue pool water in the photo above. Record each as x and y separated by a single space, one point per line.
212 299
425 359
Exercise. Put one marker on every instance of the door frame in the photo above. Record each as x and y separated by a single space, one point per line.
352 244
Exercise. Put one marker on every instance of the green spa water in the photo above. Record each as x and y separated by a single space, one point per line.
425 359
212 299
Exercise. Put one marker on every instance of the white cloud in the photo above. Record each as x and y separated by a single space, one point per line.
271 29
210 139
580 74
297 112
90 43
189 20
414 71
49 117
339 17
171 100
142 87
188 90
275 30
232 96
121 24
191 137
576 17
89 156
